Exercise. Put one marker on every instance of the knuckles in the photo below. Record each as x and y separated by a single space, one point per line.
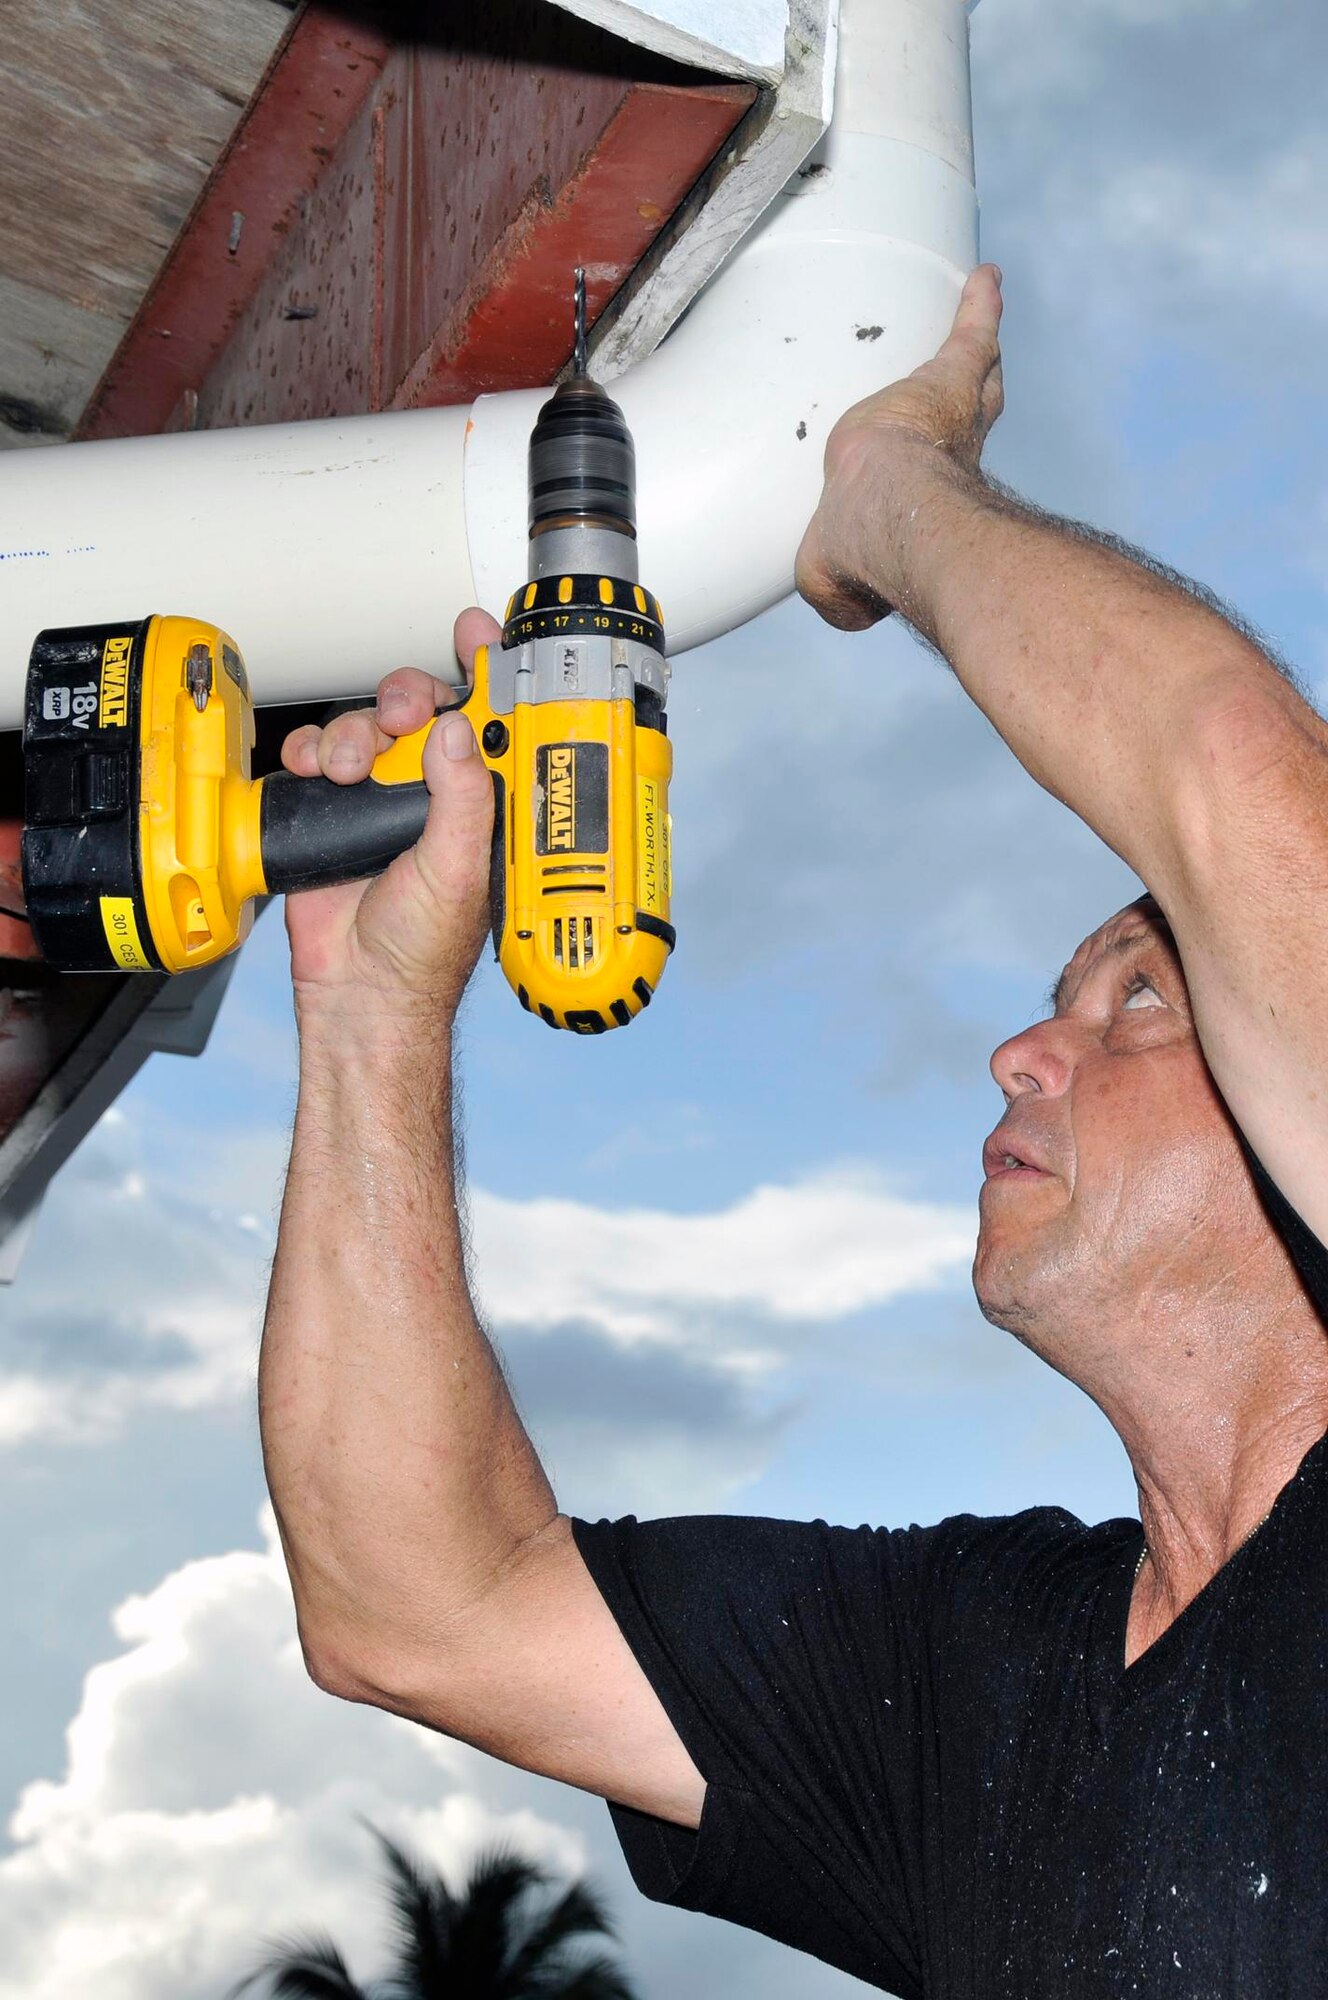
346 747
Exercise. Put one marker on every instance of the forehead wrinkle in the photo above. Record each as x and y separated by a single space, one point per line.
1122 944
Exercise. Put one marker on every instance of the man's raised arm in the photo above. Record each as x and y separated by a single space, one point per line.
1129 697
432 1571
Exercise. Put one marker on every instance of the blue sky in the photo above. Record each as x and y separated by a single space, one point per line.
788 1142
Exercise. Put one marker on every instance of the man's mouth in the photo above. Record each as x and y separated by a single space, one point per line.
1007 1159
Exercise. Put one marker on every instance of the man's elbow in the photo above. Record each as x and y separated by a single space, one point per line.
431 1658
378 1675
337 1669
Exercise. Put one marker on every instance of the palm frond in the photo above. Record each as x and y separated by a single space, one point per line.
424 1915
488 1919
594 1979
577 1913
308 1968
510 1934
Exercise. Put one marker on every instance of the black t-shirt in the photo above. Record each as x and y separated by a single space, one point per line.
927 1764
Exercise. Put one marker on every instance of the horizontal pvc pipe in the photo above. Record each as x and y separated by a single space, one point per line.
335 550
329 550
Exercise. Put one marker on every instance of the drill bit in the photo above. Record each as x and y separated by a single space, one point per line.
579 321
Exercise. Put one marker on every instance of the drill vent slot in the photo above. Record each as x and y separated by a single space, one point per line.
575 942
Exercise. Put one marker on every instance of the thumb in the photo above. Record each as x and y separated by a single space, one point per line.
971 349
453 850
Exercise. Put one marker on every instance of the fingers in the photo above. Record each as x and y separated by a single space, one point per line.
972 347
299 752
980 306
407 699
345 748
993 398
961 389
473 629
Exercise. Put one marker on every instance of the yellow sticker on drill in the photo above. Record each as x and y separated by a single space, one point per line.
652 850
117 920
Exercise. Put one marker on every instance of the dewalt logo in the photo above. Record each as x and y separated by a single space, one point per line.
113 706
572 798
561 795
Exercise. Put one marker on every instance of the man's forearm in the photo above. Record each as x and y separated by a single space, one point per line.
402 1477
1097 671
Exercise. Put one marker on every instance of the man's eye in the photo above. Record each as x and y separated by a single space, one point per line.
1143 995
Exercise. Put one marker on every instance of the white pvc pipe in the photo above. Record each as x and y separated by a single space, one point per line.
328 550
335 550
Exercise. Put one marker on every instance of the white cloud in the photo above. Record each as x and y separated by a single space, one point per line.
142 1287
820 1249
1154 13
31 1407
209 1800
1029 51
1178 232
1148 170
154 1298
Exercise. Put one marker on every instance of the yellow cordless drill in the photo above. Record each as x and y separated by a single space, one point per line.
146 840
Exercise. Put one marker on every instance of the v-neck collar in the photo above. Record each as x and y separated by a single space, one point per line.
1115 1687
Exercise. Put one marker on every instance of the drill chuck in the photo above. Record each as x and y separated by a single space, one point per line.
582 461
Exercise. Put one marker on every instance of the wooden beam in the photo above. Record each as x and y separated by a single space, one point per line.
310 93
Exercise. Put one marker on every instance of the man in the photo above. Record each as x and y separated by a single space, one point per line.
994 1758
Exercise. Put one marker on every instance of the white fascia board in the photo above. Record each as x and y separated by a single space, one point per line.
762 156
734 37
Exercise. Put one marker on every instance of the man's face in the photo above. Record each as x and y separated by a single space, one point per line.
1115 1167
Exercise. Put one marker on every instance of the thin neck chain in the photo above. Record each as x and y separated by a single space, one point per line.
1144 1551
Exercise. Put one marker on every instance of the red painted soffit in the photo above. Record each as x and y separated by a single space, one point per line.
316 82
410 219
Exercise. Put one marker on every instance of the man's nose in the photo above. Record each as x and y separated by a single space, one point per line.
1040 1060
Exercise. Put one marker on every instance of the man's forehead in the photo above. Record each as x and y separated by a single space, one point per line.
1134 928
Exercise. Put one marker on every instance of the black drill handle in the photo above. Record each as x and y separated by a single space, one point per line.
314 833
